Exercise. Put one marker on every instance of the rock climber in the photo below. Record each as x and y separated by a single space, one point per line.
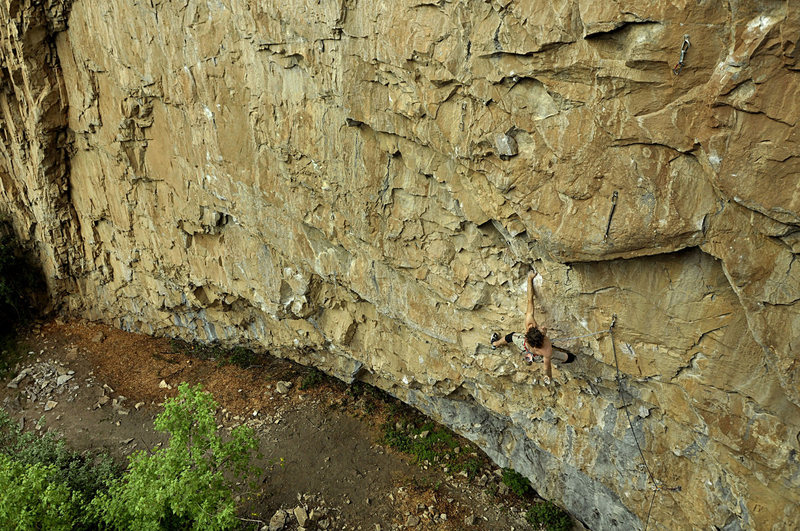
534 342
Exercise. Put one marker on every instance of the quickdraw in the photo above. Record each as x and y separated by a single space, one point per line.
684 47
611 213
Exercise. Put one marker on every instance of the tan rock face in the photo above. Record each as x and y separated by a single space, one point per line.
363 186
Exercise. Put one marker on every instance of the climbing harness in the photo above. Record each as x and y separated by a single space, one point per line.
684 47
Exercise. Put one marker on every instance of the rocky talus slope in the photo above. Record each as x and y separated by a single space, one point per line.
364 186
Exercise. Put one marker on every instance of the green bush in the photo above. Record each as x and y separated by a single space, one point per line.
30 499
547 515
85 474
181 486
44 485
518 483
54 476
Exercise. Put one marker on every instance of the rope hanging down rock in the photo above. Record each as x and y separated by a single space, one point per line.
657 485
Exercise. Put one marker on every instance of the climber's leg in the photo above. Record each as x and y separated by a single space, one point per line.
498 341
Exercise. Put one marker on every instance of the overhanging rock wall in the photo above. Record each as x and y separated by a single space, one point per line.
363 186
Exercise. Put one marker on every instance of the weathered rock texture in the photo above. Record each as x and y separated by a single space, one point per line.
371 181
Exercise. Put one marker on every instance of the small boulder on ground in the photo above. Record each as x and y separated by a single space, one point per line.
13 384
278 520
301 515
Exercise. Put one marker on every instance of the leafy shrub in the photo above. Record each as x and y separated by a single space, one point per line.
547 515
181 486
84 474
518 483
30 499
45 485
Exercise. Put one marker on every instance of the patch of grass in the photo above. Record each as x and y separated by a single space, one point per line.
365 400
470 465
428 442
312 379
364 390
548 516
518 483
239 356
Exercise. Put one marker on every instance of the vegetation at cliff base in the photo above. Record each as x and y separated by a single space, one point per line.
240 356
312 379
184 485
515 481
428 442
548 516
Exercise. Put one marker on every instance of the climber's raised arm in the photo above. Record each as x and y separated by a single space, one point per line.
529 318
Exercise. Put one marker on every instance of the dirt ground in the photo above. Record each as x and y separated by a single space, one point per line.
101 388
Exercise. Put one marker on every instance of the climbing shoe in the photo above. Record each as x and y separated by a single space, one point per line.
495 337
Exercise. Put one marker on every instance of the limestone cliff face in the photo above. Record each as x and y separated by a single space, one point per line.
363 186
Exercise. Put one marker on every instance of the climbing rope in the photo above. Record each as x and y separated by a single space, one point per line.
657 485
